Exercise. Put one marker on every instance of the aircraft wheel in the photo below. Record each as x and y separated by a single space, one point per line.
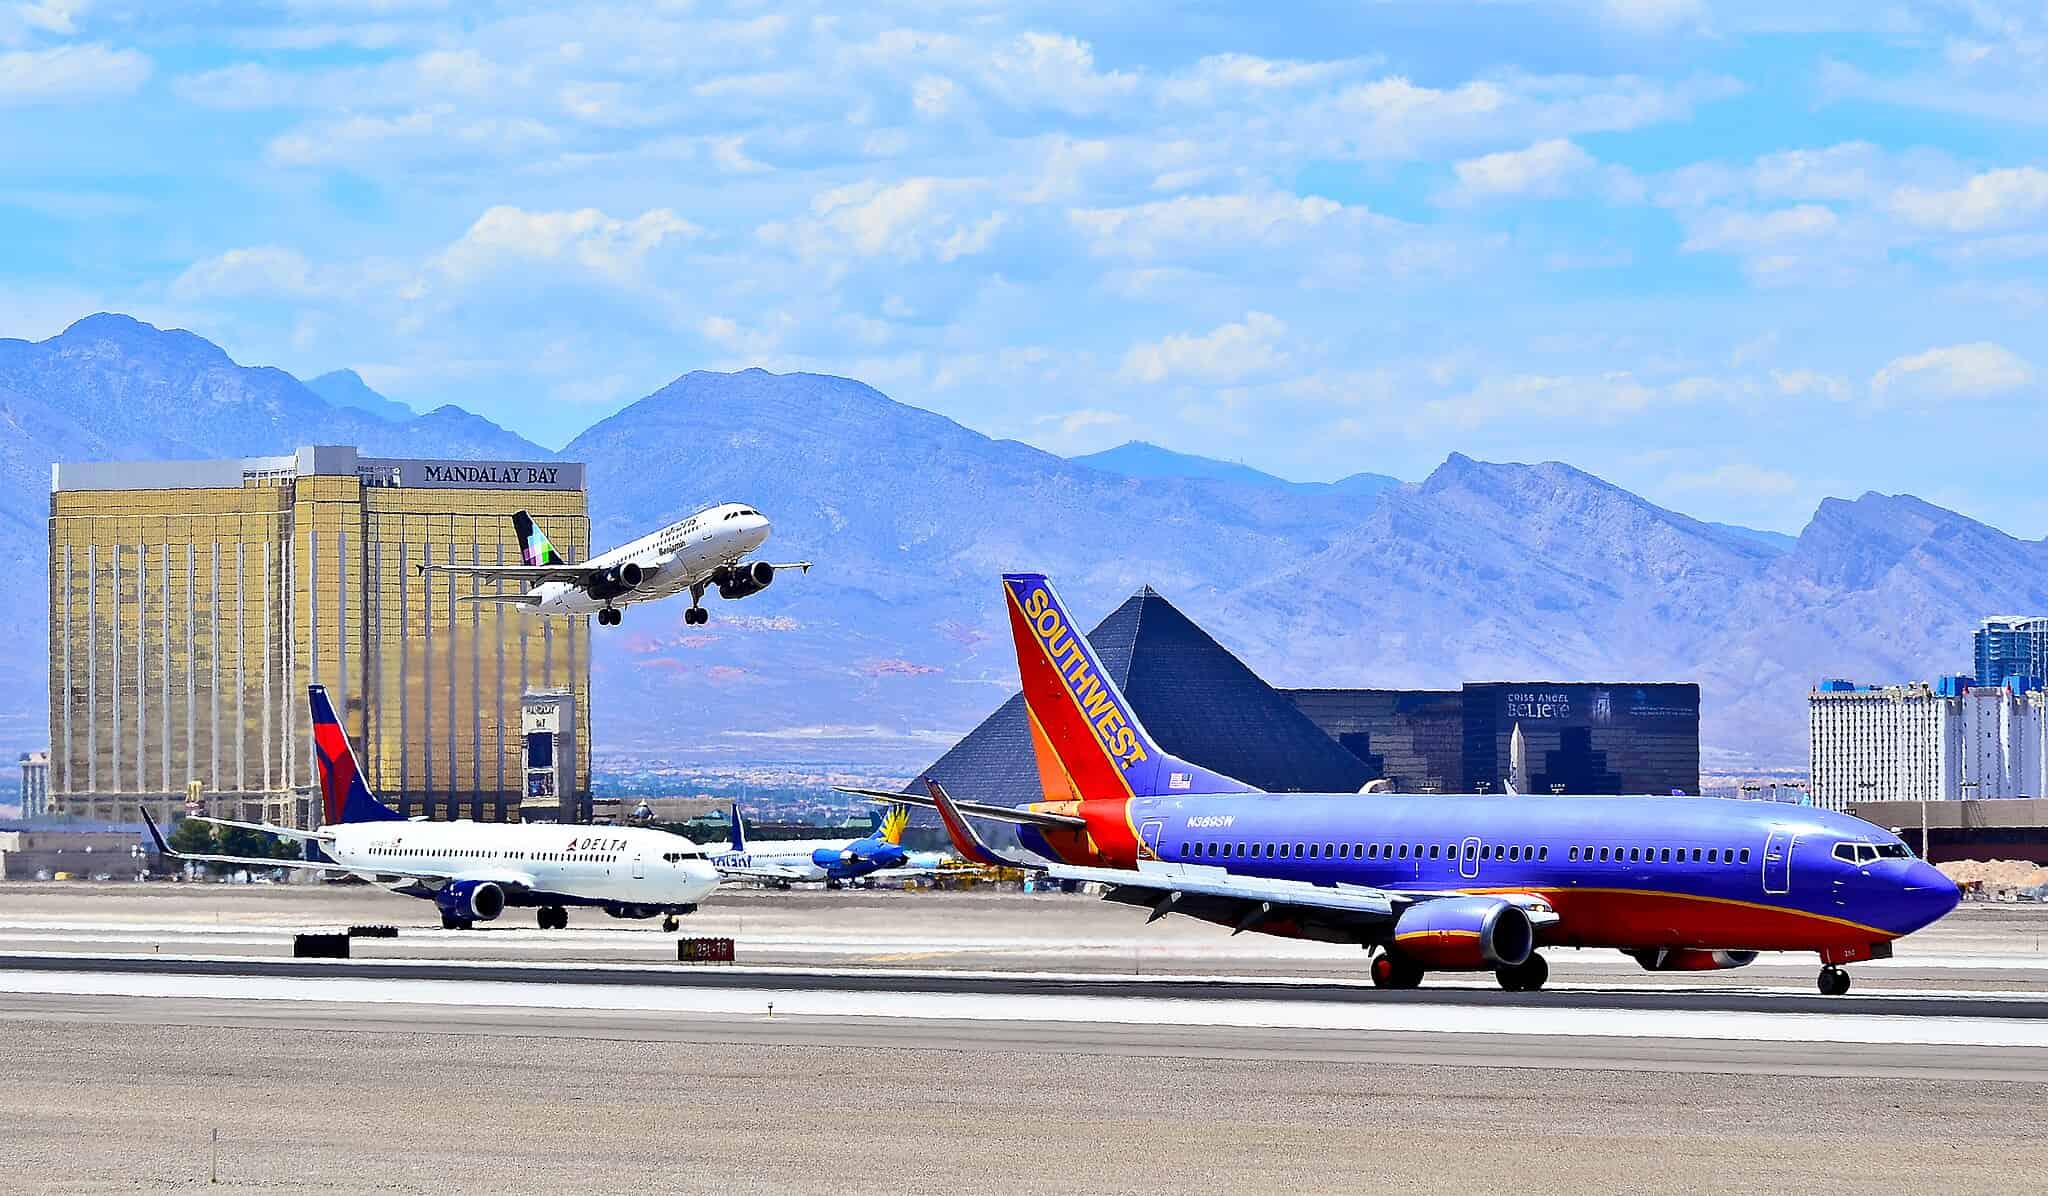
450 922
1834 981
1527 977
669 924
1392 971
696 616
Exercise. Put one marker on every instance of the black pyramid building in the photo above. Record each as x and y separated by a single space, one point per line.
1200 702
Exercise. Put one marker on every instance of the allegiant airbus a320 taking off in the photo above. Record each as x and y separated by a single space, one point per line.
1433 882
699 553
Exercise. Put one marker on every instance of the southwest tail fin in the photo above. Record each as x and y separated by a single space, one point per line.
967 843
534 546
1088 740
344 796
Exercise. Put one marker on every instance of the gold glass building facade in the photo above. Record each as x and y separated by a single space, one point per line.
192 602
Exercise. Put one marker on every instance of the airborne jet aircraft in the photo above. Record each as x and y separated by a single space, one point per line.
706 551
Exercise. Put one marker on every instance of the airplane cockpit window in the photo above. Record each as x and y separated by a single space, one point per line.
1894 851
1855 853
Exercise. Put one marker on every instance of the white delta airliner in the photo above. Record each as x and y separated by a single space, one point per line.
702 552
474 871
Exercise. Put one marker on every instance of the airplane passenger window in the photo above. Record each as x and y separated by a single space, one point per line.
1695 855
1343 851
1329 849
1283 851
1433 849
1312 851
1514 853
1571 854
1542 853
1372 851
1212 849
1297 851
1471 850
1183 850
1745 855
1664 856
1404 851
1632 855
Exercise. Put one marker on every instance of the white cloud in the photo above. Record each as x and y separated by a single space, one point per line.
389 142
934 96
607 246
1976 370
1070 423
1740 231
69 72
1804 383
1545 169
910 220
1054 71
1599 398
1220 75
262 270
51 16
1225 354
1395 118
1233 221
1993 199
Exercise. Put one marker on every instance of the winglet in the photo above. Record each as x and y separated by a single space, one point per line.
163 847
965 840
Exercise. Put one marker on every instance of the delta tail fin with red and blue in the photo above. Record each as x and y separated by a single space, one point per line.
1088 740
344 795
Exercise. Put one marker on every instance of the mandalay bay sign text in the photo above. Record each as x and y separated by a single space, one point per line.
473 475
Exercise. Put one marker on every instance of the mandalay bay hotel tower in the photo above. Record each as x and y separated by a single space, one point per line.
192 602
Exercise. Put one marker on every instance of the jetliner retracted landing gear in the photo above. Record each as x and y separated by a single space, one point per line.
610 616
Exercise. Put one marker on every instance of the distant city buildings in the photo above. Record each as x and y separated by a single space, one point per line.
1202 703
35 784
192 602
1945 741
2012 646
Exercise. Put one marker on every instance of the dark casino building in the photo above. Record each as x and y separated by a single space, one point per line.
1202 703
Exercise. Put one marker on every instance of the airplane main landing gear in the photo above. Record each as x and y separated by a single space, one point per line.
1524 977
552 917
1394 971
1834 981
610 616
669 923
451 922
696 616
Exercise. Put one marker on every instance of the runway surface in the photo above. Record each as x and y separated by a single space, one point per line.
116 1094
1976 949
1016 1045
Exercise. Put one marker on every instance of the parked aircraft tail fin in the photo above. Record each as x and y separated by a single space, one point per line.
345 796
1089 741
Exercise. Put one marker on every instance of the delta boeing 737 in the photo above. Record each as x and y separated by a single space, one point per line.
1432 882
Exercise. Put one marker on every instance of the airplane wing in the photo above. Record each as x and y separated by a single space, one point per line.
1243 902
282 832
528 575
762 872
506 599
799 566
977 809
435 876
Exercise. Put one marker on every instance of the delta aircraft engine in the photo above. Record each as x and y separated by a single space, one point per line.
470 901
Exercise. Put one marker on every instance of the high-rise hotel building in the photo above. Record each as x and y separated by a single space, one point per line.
192 602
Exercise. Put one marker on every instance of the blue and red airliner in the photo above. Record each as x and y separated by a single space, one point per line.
1432 882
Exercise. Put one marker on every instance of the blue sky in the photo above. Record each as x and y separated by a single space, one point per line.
1736 257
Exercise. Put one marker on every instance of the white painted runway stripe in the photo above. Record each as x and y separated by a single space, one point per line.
1600 1023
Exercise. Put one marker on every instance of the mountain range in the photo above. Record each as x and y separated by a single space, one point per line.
895 645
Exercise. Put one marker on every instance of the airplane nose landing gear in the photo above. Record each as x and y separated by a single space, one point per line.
1834 981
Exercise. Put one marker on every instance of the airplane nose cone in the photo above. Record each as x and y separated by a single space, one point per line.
1928 894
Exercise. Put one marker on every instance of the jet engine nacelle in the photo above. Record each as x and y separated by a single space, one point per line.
1691 959
619 909
471 900
738 581
617 580
1464 934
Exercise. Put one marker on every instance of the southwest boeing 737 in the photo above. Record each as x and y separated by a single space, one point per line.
702 552
474 871
1432 882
